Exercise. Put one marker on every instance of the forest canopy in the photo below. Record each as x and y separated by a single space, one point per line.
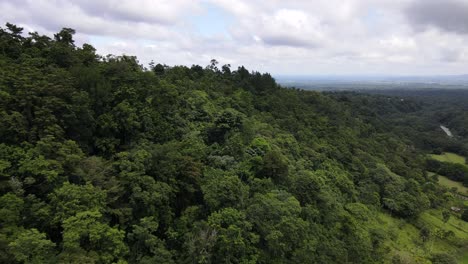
105 161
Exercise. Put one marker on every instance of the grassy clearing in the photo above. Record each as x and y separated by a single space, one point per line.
453 184
405 238
449 157
433 218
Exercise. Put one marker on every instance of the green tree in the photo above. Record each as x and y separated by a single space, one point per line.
33 247
307 186
147 247
65 36
11 207
235 241
443 258
445 216
425 234
276 217
464 215
71 199
275 166
222 189
87 238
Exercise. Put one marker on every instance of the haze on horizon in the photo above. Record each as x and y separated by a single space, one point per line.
396 37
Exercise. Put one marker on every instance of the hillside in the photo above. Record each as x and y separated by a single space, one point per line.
105 161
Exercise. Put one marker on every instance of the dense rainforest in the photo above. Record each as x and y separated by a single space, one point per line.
418 116
105 161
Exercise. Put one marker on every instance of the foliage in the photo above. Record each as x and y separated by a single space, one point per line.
464 216
443 258
105 161
31 246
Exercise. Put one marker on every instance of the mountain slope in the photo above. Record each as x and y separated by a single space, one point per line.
104 161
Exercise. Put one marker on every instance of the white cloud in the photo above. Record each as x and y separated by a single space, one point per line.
161 11
289 37
288 27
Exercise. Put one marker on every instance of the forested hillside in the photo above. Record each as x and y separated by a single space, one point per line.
105 161
418 116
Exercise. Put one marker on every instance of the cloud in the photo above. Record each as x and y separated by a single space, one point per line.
161 12
450 55
448 15
288 27
395 42
284 37
125 18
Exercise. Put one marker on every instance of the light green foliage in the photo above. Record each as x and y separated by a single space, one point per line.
235 239
32 247
449 157
259 146
10 209
453 184
222 189
36 168
85 236
199 106
400 196
71 199
359 211
145 195
405 241
276 216
337 179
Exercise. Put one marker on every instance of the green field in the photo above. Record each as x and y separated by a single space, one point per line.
405 240
433 218
453 184
449 157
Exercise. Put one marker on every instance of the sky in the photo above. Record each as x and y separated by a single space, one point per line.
294 37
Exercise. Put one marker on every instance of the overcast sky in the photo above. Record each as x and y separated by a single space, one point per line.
389 37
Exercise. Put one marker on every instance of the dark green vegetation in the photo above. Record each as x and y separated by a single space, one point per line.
424 112
417 116
103 161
